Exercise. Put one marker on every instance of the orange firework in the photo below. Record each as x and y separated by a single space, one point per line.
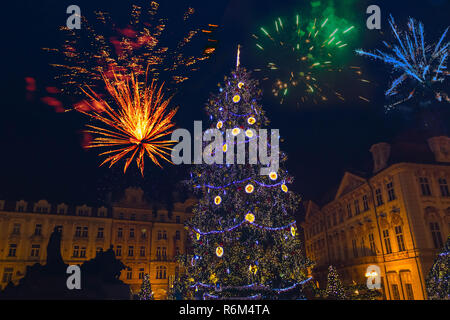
135 126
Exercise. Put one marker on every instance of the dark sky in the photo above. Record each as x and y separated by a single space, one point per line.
42 155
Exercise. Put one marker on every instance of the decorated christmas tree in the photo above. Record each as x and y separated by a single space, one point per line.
245 241
335 290
438 279
146 289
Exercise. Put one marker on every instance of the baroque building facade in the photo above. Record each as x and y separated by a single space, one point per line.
144 239
397 218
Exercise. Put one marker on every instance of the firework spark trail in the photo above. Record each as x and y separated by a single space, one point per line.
420 65
302 55
138 48
135 126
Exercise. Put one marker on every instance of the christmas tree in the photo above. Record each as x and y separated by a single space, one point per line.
437 281
335 290
245 241
146 289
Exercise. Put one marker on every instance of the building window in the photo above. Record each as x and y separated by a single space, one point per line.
130 251
143 234
349 210
409 291
334 219
443 186
159 234
177 235
387 241
357 209
373 248
121 215
177 251
142 251
391 191
7 274
141 273
379 197
424 186
436 235
177 219
35 250
133 217
161 272
59 229
76 251
16 228
164 253
132 233
38 230
119 251
158 253
400 241
329 221
119 233
365 203
78 232
12 250
395 292
83 252
341 216
85 232
100 233
129 274
164 235
355 248
363 248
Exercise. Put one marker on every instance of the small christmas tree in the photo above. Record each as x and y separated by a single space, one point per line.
146 289
335 290
437 281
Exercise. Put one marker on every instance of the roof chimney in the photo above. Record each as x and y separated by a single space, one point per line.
380 153
440 147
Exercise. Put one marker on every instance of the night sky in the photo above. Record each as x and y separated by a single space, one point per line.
42 155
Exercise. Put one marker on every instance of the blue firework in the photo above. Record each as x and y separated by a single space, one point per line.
419 68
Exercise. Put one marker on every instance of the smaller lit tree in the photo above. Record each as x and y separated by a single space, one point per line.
437 281
357 291
335 290
146 289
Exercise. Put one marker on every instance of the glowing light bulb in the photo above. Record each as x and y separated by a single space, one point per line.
250 217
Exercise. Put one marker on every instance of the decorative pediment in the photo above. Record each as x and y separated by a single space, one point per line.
349 183
311 209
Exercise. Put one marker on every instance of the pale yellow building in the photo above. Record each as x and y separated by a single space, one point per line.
397 217
144 240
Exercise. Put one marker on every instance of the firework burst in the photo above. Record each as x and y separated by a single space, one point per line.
301 54
149 43
137 124
419 68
